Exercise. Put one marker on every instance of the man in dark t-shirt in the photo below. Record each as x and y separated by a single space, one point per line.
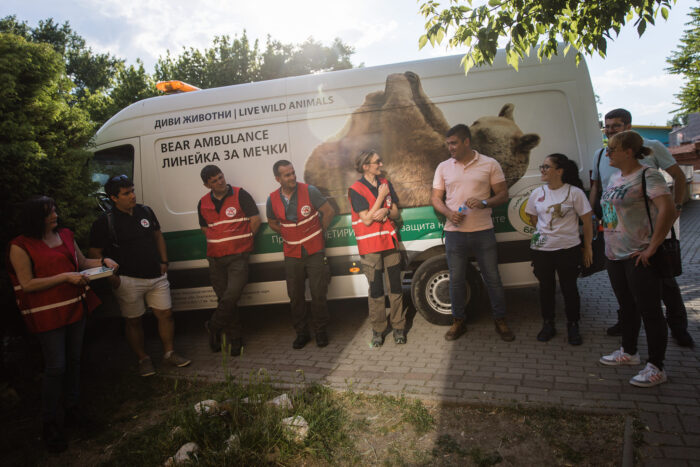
131 232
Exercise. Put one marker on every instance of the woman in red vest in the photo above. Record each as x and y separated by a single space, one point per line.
373 203
54 299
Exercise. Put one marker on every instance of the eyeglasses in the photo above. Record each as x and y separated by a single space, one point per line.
377 162
610 149
544 167
614 126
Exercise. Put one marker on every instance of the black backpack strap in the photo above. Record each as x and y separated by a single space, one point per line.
112 231
600 156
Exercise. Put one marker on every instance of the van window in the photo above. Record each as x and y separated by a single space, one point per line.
110 162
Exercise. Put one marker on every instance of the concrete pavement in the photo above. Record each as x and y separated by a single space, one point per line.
479 367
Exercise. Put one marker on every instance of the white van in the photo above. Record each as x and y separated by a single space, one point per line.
320 122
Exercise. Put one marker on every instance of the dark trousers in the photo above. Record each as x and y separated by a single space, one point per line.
297 270
676 314
383 269
638 291
229 275
62 349
565 263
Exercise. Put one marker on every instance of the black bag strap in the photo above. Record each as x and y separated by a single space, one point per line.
597 164
646 204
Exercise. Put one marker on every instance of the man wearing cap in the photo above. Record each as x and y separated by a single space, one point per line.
131 232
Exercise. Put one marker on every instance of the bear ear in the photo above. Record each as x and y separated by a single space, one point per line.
527 142
507 111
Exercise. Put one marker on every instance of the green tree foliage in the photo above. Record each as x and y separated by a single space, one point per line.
238 60
42 137
685 61
584 25
90 72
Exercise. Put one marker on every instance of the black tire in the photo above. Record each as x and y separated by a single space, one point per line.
430 291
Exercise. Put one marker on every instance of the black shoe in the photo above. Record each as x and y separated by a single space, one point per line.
399 336
683 339
214 338
321 339
377 339
547 331
573 333
301 341
615 330
54 439
76 419
233 345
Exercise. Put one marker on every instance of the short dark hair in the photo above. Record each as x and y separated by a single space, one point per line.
278 164
116 183
34 213
209 171
461 131
622 114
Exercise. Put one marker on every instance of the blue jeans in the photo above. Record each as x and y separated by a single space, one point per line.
459 246
61 349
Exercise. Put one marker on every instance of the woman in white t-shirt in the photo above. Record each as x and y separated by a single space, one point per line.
555 209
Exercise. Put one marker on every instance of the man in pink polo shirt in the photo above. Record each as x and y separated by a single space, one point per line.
477 182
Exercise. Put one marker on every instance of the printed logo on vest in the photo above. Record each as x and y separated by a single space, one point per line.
145 223
388 201
305 210
231 212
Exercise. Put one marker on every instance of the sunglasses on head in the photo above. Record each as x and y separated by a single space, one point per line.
118 178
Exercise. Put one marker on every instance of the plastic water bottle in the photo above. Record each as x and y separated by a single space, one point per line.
463 208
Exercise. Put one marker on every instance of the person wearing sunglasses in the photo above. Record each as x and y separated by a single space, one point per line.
374 208
130 233
555 209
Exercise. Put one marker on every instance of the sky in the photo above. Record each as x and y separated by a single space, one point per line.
632 75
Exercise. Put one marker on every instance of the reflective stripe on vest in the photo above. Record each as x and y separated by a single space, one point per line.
378 236
306 232
228 231
60 305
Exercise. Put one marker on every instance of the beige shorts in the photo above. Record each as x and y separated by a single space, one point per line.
134 291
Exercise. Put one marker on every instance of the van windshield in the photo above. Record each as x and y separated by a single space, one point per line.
110 162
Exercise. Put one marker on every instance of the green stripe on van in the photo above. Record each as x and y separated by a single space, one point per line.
420 223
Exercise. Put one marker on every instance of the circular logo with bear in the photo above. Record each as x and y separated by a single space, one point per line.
231 212
145 223
517 216
305 210
388 201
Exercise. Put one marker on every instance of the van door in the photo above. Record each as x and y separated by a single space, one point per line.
118 158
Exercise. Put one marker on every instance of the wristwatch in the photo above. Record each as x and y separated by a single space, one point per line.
485 204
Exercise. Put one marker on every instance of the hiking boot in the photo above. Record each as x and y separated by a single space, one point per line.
619 358
683 338
399 336
615 330
214 338
547 331
176 360
457 329
503 330
53 437
573 333
301 341
321 339
377 339
146 367
650 376
234 346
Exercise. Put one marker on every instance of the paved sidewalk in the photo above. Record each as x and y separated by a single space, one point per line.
479 367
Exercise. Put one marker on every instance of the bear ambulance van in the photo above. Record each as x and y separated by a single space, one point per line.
320 123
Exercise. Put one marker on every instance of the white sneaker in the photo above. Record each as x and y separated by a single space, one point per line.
649 376
620 357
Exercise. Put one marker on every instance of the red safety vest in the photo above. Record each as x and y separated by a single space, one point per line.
60 305
306 231
378 236
228 230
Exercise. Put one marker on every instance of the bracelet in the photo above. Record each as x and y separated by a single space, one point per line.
165 262
102 262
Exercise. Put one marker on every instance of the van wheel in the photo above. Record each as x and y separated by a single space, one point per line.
430 290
